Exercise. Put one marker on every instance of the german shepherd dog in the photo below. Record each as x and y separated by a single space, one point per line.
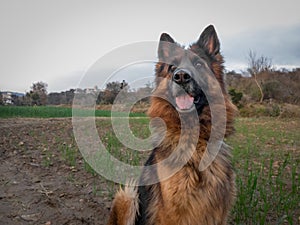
178 190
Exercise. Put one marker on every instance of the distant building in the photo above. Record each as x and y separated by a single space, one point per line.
8 97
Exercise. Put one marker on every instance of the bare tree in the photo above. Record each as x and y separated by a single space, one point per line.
256 66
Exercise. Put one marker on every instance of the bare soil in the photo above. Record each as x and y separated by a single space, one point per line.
37 186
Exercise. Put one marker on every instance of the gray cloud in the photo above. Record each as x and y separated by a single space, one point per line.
281 44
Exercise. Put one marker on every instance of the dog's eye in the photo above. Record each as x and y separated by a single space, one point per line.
198 64
172 68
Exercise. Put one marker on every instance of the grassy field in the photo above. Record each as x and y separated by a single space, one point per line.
54 112
266 158
266 154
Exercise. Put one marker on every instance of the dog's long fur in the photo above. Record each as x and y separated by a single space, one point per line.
190 196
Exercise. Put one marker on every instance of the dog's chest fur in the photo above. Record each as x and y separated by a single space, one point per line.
191 196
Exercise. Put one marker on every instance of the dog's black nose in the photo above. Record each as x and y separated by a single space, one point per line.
181 76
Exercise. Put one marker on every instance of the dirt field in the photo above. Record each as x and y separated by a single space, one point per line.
38 185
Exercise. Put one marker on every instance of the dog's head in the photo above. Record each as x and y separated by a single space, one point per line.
189 69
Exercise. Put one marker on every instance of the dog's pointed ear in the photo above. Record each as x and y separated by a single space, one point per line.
165 43
166 37
209 41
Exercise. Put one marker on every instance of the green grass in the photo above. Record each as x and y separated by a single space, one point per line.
88 168
139 128
47 159
54 112
266 157
69 154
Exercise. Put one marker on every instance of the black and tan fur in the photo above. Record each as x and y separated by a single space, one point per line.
190 196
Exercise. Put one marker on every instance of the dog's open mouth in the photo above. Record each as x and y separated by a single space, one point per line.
185 102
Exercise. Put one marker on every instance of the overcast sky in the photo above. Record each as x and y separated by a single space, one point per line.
55 41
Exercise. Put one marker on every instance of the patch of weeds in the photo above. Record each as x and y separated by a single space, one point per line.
69 153
71 177
47 158
108 192
88 168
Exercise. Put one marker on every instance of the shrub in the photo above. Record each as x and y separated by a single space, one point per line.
236 97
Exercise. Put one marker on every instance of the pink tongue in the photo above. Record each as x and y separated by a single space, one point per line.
184 102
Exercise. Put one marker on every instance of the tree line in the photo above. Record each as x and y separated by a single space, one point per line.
38 94
264 83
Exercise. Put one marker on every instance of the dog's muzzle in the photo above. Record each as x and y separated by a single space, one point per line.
184 101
